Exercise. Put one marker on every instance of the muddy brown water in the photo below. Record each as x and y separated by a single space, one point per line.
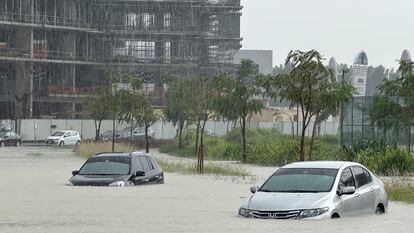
33 198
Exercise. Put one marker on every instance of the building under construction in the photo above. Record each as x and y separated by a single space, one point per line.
54 52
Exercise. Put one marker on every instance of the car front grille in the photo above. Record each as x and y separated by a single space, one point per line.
291 214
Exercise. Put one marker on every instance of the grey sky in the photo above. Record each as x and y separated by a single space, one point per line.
382 28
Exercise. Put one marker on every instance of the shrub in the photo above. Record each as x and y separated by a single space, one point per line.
391 161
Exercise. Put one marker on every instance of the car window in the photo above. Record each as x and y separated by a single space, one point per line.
361 177
139 165
347 179
152 162
144 163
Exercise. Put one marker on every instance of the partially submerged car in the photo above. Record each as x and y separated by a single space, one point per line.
317 190
118 169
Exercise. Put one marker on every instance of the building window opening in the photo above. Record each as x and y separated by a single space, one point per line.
167 21
148 21
213 24
167 53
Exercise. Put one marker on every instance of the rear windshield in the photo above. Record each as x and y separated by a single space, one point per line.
111 165
301 180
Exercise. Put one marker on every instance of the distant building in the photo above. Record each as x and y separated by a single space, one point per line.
405 56
359 73
263 58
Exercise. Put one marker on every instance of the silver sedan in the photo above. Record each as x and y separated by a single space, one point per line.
317 190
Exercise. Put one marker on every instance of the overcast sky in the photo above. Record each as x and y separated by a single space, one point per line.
382 28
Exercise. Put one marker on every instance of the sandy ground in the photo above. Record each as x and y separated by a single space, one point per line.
33 198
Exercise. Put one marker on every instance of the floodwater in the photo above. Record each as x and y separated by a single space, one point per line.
33 198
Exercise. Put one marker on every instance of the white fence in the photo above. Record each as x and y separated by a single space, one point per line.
39 129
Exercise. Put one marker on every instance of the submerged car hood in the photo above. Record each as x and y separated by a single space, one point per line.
267 201
97 180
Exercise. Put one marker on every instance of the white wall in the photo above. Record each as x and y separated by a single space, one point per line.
162 130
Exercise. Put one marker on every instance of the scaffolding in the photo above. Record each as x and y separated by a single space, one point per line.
59 50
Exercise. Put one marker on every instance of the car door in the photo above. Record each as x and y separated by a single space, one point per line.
66 138
148 178
364 190
349 203
138 167
8 139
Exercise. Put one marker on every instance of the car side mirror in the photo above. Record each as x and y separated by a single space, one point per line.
74 173
254 189
139 173
348 190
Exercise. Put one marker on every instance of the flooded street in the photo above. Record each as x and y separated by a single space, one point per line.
35 199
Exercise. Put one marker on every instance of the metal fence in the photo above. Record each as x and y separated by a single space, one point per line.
357 127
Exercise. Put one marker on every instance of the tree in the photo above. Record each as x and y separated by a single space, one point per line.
239 97
310 85
136 107
202 103
402 87
96 104
178 109
146 116
385 114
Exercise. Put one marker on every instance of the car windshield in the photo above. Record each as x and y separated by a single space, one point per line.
58 134
301 180
106 165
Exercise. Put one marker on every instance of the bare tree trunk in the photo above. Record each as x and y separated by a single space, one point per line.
315 124
302 141
146 139
130 133
200 165
197 137
409 139
243 134
180 135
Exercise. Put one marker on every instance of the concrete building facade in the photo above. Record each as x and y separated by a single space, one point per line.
54 52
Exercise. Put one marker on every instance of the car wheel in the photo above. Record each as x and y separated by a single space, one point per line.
77 143
379 210
335 215
61 143
17 143
2 144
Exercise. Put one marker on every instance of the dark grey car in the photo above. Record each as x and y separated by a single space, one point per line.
118 169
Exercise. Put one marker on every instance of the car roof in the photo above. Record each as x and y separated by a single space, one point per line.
120 154
321 164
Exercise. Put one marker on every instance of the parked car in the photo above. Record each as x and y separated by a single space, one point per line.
108 135
118 169
139 133
317 190
209 132
64 137
9 139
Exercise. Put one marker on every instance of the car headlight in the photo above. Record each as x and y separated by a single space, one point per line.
312 212
245 212
68 183
117 184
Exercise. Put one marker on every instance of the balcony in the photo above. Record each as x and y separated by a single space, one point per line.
42 20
